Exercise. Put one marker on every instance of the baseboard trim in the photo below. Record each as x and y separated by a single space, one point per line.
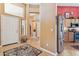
54 54
10 44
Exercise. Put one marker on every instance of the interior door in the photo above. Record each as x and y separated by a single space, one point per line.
9 29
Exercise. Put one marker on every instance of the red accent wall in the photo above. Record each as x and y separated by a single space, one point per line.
63 9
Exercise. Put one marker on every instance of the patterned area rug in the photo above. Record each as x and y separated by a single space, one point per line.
25 50
76 47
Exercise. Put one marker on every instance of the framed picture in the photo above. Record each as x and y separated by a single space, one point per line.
67 15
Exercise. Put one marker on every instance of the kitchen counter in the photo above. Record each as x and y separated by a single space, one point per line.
69 33
73 29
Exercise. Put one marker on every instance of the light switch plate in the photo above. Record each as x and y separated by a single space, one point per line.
51 29
47 44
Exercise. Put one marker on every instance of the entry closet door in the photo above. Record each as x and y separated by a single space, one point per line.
9 29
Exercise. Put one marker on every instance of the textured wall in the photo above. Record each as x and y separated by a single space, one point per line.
74 9
48 27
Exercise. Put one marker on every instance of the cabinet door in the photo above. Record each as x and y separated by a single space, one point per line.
9 29
71 36
66 36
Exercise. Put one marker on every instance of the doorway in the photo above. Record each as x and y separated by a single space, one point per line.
71 29
34 25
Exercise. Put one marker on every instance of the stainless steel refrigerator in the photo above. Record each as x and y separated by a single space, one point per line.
60 33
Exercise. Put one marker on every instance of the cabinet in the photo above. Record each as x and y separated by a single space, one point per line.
68 36
71 36
67 23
